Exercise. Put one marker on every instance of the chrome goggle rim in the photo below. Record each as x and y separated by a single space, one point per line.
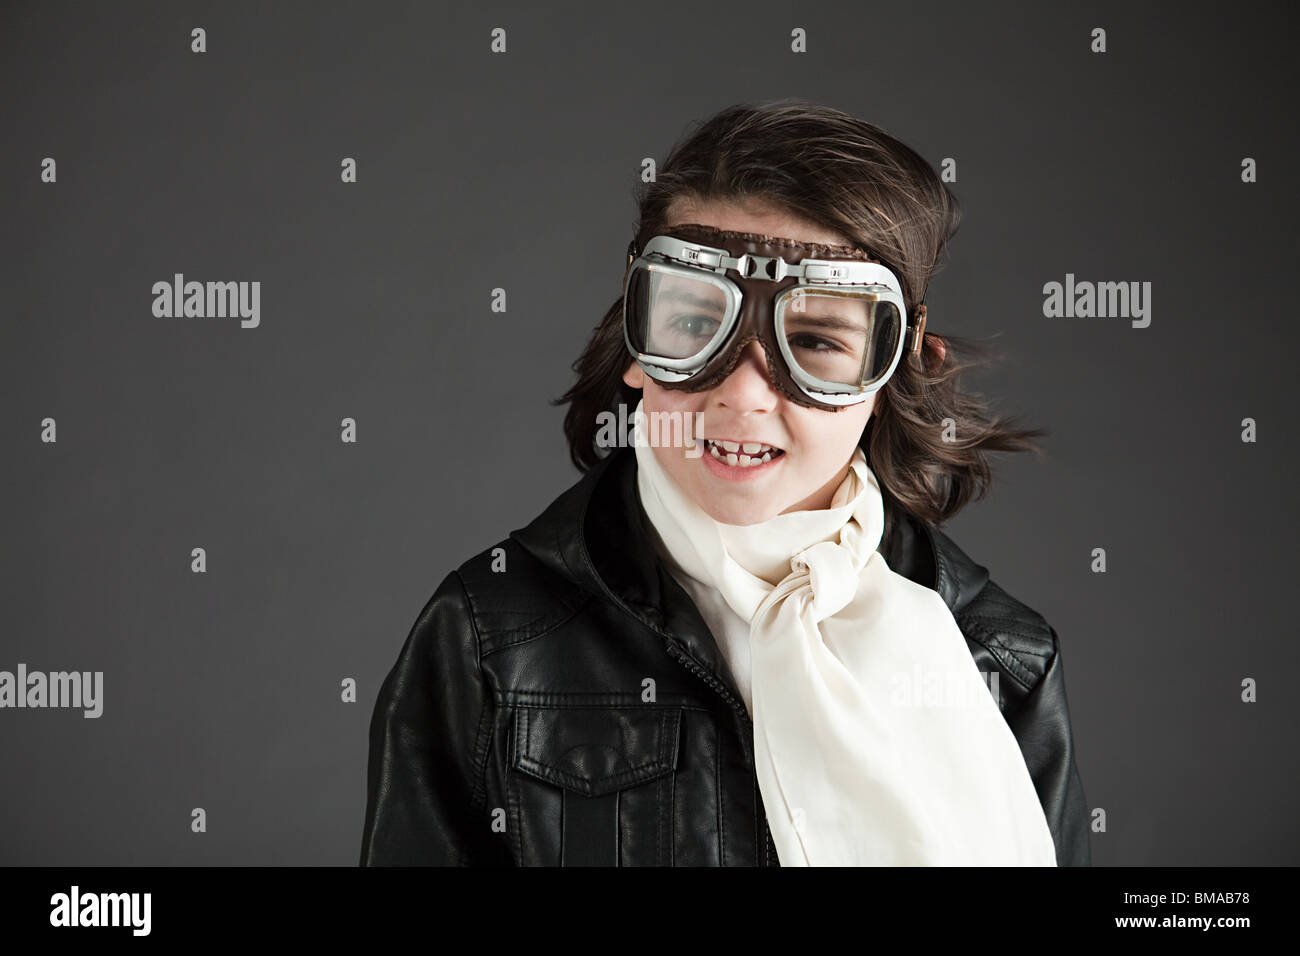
675 370
710 264
837 393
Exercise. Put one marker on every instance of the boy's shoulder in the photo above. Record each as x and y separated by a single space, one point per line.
513 596
1018 637
542 574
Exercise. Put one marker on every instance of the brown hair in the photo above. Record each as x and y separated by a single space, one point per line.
847 175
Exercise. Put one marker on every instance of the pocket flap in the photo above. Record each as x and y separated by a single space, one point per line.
596 750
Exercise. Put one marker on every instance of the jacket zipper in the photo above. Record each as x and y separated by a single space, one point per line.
688 661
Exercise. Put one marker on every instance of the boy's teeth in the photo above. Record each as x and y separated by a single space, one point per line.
749 447
747 459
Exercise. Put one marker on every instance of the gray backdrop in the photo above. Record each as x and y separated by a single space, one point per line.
479 170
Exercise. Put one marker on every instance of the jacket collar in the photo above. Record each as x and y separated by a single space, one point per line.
614 557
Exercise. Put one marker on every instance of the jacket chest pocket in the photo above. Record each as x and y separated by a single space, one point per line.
593 786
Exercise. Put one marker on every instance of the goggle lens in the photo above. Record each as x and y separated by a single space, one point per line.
841 337
672 315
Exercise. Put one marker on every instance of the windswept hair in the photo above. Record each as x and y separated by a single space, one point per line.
828 167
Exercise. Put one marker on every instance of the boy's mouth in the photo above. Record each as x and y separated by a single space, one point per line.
749 454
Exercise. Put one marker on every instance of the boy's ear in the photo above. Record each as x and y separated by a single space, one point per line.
634 376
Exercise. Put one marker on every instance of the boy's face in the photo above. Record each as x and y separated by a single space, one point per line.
817 445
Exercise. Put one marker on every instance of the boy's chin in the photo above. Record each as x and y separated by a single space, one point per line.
741 513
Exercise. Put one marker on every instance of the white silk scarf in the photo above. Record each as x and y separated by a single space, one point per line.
876 740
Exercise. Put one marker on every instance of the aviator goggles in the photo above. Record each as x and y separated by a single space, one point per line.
831 321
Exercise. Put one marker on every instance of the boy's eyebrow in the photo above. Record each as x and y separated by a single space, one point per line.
681 295
825 322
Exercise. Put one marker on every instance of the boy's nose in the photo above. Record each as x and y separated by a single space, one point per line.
748 388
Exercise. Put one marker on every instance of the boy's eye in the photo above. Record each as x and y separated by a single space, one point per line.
700 326
814 343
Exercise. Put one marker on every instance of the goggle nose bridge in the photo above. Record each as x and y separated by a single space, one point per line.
773 268
735 353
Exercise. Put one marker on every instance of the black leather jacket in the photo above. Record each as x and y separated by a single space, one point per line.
560 701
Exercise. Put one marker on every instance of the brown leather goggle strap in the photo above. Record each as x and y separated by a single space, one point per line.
693 230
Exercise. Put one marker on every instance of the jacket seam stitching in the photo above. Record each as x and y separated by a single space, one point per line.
940 567
1009 625
594 700
513 799
478 797
660 808
1018 654
515 629
1012 665
574 612
1010 661
591 786
717 787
